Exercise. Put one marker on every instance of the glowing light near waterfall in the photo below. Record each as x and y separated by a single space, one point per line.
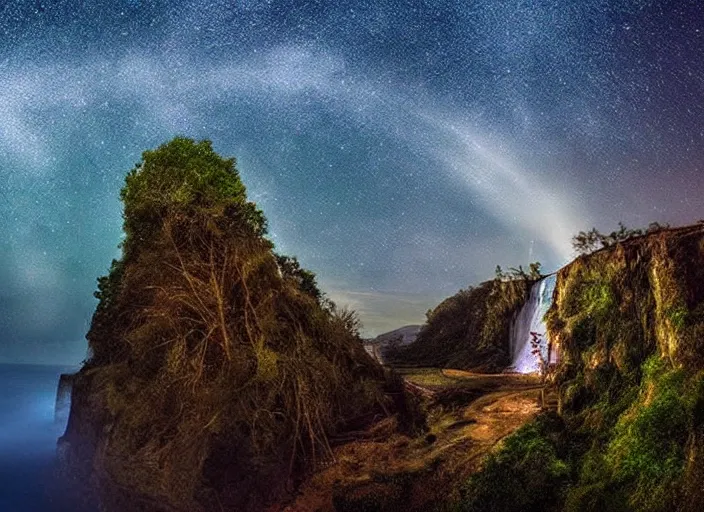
529 340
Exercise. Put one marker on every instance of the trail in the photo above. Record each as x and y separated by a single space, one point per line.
469 414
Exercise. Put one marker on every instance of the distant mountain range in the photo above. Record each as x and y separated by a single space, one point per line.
406 335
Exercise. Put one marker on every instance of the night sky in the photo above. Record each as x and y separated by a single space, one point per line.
400 149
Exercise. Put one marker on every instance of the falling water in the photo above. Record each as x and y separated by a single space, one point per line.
528 332
62 406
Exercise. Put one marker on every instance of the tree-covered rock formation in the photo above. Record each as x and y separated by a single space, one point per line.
217 372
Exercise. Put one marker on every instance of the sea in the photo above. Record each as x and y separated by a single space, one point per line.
28 435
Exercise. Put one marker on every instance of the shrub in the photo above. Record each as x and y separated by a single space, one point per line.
524 474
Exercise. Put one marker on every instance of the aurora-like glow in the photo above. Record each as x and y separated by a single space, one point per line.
400 149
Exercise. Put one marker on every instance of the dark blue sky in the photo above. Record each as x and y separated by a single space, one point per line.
400 149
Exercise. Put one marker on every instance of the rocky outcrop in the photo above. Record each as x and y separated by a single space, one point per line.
629 324
218 375
615 308
470 330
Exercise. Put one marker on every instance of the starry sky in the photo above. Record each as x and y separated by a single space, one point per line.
400 149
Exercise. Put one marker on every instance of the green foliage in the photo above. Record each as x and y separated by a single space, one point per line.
534 272
628 321
305 279
636 459
626 451
598 298
646 454
184 174
677 316
525 474
181 172
109 286
586 242
519 273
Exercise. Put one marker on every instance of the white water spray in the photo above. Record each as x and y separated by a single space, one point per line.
529 338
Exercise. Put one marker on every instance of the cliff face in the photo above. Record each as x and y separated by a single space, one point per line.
618 306
629 324
62 405
628 435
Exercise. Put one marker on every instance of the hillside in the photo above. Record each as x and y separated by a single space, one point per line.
469 330
402 336
217 375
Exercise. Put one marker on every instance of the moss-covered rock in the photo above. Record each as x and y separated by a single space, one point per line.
628 326
628 323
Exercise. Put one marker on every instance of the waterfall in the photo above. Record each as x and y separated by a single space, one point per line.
528 332
62 406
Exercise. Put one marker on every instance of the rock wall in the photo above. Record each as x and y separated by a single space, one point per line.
629 324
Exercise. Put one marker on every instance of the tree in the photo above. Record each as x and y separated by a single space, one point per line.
586 242
519 273
654 227
291 269
190 177
535 270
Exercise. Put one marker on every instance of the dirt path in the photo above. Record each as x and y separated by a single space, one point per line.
392 470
